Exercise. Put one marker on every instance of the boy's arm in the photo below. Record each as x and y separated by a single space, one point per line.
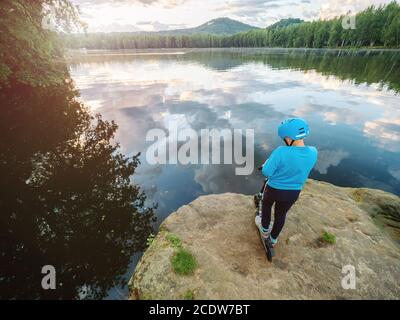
262 166
271 164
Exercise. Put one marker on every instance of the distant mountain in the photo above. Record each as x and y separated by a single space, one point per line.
220 26
284 23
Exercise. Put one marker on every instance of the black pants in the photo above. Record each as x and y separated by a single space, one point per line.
283 199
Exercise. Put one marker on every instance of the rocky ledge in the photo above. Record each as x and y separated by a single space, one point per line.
210 249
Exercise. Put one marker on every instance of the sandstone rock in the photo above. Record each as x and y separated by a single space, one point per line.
219 230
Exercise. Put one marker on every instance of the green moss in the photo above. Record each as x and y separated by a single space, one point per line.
188 295
329 237
357 195
183 262
145 296
174 240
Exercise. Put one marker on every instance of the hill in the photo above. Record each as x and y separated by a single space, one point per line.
220 26
284 23
217 233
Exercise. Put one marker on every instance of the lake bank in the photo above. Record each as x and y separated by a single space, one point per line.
72 52
219 232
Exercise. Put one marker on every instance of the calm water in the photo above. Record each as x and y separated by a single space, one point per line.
350 99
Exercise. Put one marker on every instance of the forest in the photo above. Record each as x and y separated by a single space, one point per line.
66 196
375 27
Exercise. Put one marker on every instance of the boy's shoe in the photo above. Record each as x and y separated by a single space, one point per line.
273 241
264 232
269 248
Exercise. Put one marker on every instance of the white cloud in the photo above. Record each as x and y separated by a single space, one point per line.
260 13
168 13
330 114
333 8
329 158
222 178
395 172
385 131
166 3
114 27
158 26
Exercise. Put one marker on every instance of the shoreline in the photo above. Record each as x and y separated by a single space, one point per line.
180 51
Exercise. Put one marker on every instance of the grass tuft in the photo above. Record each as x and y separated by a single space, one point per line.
329 237
188 295
183 262
174 240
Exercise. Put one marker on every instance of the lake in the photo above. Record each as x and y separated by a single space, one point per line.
350 98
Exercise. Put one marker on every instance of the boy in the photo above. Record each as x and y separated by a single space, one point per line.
287 170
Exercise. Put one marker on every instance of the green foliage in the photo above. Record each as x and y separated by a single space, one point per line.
329 237
391 30
183 262
188 295
360 66
174 240
150 239
66 193
284 23
29 53
66 184
375 26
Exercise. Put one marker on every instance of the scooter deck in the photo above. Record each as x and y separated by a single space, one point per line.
268 248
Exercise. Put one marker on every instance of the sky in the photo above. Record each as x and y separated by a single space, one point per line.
155 15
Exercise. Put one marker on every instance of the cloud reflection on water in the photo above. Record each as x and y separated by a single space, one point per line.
144 93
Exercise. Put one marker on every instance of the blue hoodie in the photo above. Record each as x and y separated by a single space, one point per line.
288 167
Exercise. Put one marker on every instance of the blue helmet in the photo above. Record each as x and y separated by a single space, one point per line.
294 128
